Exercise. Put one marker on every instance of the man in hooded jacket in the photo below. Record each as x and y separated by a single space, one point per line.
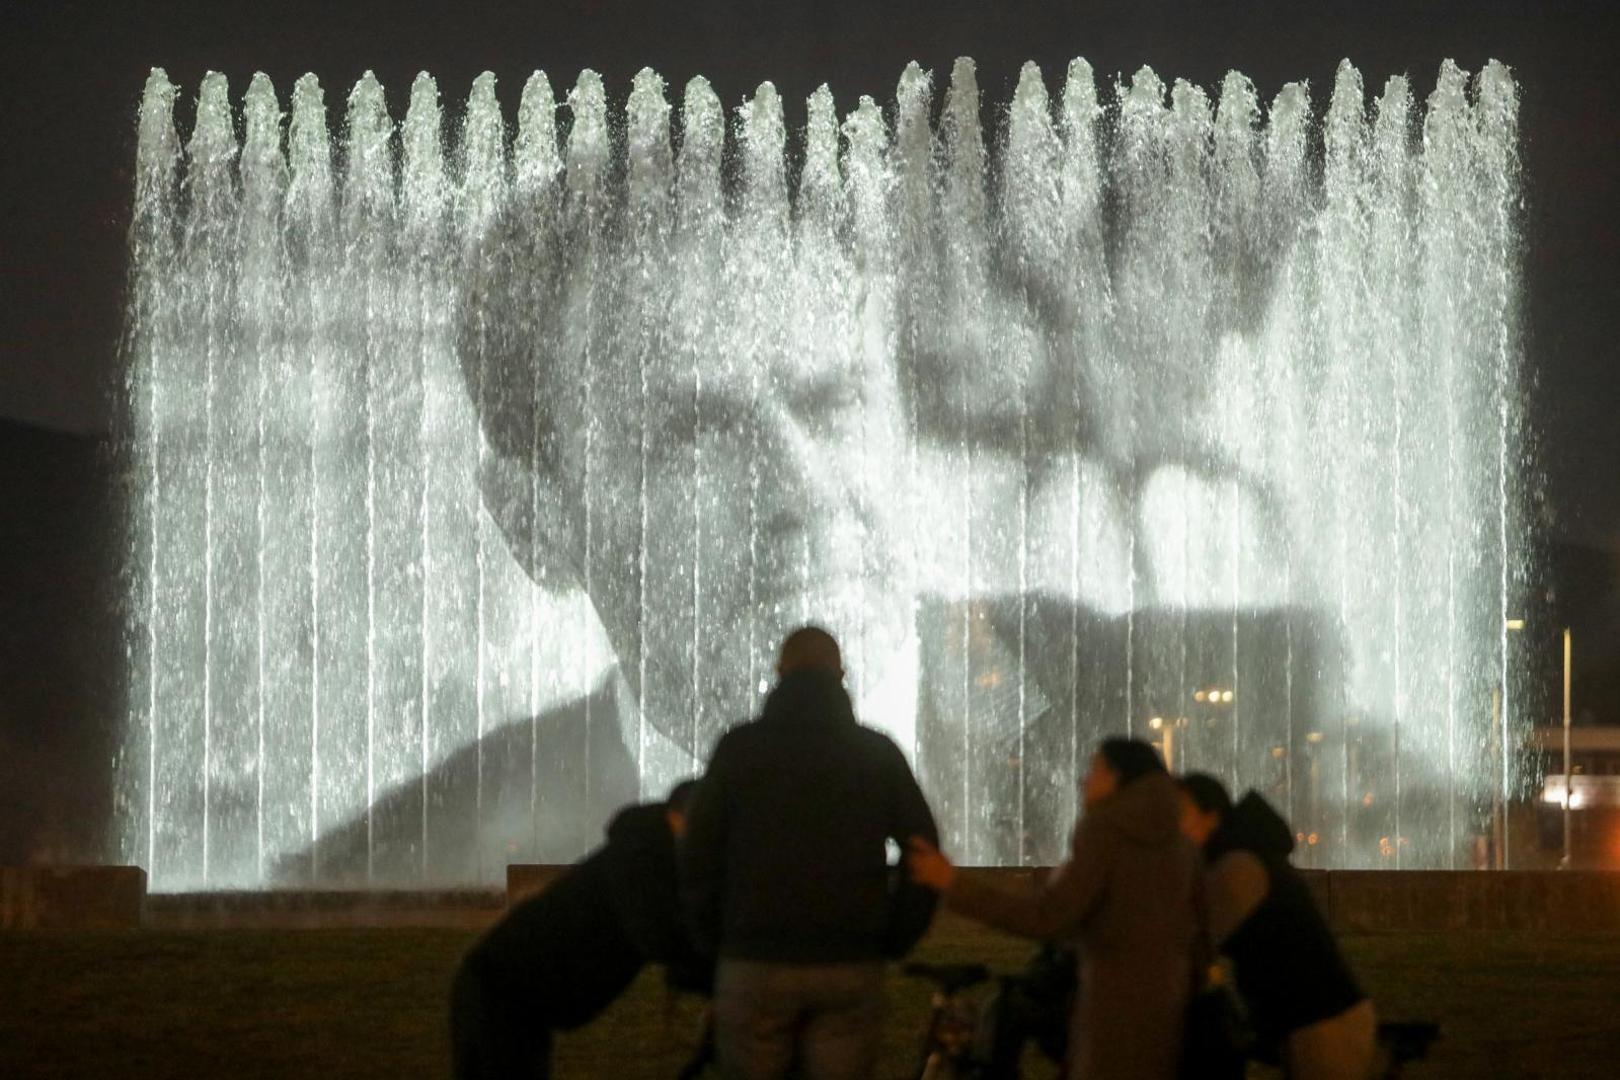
558 959
786 877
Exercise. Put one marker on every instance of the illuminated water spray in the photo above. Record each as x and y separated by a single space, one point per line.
475 470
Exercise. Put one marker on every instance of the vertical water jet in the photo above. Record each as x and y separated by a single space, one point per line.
472 485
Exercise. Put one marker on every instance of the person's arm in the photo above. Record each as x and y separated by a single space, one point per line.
702 855
1062 905
912 905
1235 887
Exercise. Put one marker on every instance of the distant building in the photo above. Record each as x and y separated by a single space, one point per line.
1592 790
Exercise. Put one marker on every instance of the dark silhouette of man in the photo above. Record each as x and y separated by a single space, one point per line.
557 960
785 874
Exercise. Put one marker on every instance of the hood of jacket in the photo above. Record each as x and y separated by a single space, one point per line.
809 696
1253 825
1146 811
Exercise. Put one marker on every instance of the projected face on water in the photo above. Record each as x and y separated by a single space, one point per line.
707 422
707 503
511 463
857 408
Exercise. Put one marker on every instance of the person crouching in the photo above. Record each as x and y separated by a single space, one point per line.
1303 1000
557 960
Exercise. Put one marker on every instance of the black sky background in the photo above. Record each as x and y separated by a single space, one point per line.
72 74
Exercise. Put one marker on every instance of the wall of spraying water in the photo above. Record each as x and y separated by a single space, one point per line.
475 472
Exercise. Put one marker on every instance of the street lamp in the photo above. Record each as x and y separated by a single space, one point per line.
1569 781
1499 814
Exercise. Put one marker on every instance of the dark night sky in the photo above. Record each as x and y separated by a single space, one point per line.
72 73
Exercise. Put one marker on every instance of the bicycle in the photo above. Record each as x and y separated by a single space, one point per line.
957 1044
955 1041
952 1045
953 1023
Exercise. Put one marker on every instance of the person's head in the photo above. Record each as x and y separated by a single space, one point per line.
1205 803
809 648
1118 763
676 805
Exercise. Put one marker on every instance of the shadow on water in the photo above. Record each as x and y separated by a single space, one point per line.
1288 731
528 791
543 791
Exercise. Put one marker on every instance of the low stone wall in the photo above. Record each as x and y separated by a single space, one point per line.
1355 901
1013 878
1318 882
1368 901
1416 901
71 897
1572 901
524 880
458 908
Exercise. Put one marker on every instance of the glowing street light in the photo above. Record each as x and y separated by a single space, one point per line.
1499 809
1569 781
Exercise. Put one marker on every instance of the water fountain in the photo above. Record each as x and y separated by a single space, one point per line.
473 472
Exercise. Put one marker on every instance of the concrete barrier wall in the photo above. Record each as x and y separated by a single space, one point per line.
1355 901
1414 901
1372 901
458 908
71 897
524 880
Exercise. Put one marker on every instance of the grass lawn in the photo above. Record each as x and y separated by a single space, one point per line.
370 1003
